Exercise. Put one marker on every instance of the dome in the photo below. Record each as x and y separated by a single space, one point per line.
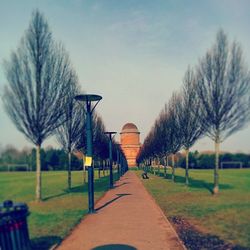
130 142
129 128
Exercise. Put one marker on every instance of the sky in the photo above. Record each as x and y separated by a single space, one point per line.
134 53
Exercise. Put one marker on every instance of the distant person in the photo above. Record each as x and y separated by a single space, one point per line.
145 175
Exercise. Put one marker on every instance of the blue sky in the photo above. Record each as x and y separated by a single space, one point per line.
132 52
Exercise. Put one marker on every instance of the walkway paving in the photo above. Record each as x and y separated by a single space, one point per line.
127 218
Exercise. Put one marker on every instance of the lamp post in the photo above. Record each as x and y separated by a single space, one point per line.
110 135
122 164
88 99
118 162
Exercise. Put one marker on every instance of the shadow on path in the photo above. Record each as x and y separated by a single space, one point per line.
124 183
111 201
114 247
124 178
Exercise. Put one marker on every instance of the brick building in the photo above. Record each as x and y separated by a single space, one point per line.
130 143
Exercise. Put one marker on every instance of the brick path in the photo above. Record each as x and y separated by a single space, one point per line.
127 218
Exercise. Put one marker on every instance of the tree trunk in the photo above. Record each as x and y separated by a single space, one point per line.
38 174
103 167
99 169
216 169
187 160
165 167
173 168
158 163
69 170
154 166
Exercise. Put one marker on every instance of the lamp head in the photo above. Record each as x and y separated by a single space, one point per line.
88 97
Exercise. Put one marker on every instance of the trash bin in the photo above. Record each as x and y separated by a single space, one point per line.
13 226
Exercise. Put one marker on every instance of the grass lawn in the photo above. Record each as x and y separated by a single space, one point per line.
224 217
60 211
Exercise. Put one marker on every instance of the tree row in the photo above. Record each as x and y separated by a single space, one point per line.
213 101
39 97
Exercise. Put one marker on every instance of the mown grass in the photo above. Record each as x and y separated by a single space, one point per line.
226 215
61 209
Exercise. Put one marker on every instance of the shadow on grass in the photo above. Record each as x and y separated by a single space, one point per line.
66 192
100 185
114 247
193 183
196 240
44 243
111 201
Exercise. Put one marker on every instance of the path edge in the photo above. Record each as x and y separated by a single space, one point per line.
162 213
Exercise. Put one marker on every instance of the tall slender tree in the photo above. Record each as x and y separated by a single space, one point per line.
224 91
173 127
161 139
69 132
100 140
38 78
191 128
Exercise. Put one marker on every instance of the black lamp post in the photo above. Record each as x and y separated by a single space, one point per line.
118 162
123 165
110 135
88 160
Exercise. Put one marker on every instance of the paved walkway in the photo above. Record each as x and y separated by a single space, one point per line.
127 218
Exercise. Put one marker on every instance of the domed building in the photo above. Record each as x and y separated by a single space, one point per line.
130 143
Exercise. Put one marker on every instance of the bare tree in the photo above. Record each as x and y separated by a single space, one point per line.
161 139
147 150
173 127
100 140
224 91
38 77
81 141
165 136
191 128
69 132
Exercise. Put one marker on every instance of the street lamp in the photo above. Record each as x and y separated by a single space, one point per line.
88 99
118 162
110 135
123 165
